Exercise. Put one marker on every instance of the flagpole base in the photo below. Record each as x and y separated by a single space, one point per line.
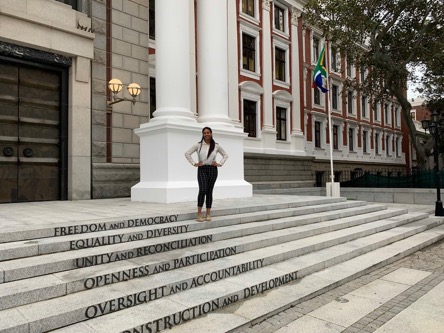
333 189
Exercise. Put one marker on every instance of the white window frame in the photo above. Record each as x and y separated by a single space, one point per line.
355 138
389 146
367 107
365 75
397 115
338 60
352 70
253 32
286 48
252 92
340 133
283 99
314 57
286 29
398 145
365 132
322 139
321 98
339 99
378 132
378 112
353 104
254 19
389 113
287 120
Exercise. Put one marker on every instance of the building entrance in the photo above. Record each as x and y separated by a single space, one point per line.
32 133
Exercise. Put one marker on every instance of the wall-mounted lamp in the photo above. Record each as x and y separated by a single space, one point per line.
115 85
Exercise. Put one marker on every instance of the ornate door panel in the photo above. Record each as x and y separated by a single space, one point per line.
29 134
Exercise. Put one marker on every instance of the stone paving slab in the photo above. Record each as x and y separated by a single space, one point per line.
309 324
347 310
424 315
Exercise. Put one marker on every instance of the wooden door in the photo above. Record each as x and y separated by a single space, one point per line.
29 133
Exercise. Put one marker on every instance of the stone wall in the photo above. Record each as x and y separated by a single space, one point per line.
270 168
120 51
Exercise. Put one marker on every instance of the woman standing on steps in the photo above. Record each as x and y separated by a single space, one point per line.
206 150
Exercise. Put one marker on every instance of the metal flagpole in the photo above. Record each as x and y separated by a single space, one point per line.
330 137
334 188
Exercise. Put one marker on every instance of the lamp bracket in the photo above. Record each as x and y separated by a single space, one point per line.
118 100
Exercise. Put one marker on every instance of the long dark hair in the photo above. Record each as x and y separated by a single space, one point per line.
212 142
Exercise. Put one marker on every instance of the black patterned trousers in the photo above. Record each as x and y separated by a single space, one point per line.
206 177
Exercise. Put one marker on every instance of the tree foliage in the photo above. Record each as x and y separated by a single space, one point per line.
397 40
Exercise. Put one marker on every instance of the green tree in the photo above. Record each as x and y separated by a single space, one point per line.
394 39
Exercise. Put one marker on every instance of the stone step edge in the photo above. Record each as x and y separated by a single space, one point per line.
220 318
68 287
372 267
280 280
24 249
301 251
136 251
31 233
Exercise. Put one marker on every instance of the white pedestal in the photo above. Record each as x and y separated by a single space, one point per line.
165 174
333 189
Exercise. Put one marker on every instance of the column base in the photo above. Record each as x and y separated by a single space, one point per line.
333 189
165 174
172 192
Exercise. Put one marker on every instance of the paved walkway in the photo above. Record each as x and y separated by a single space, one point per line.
32 215
416 306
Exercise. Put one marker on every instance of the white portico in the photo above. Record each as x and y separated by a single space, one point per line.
165 175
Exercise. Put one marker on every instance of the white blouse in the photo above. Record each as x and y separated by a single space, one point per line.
202 152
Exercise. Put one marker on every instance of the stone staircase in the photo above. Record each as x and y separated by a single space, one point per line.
153 273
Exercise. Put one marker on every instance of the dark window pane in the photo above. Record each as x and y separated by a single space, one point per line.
335 137
350 101
279 18
248 7
317 96
364 106
317 134
72 3
377 143
152 20
281 123
315 49
334 97
280 64
248 52
152 96
350 139
364 141
250 118
334 60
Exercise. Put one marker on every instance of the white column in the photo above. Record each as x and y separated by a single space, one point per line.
165 174
212 66
268 130
233 65
297 136
213 92
173 55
